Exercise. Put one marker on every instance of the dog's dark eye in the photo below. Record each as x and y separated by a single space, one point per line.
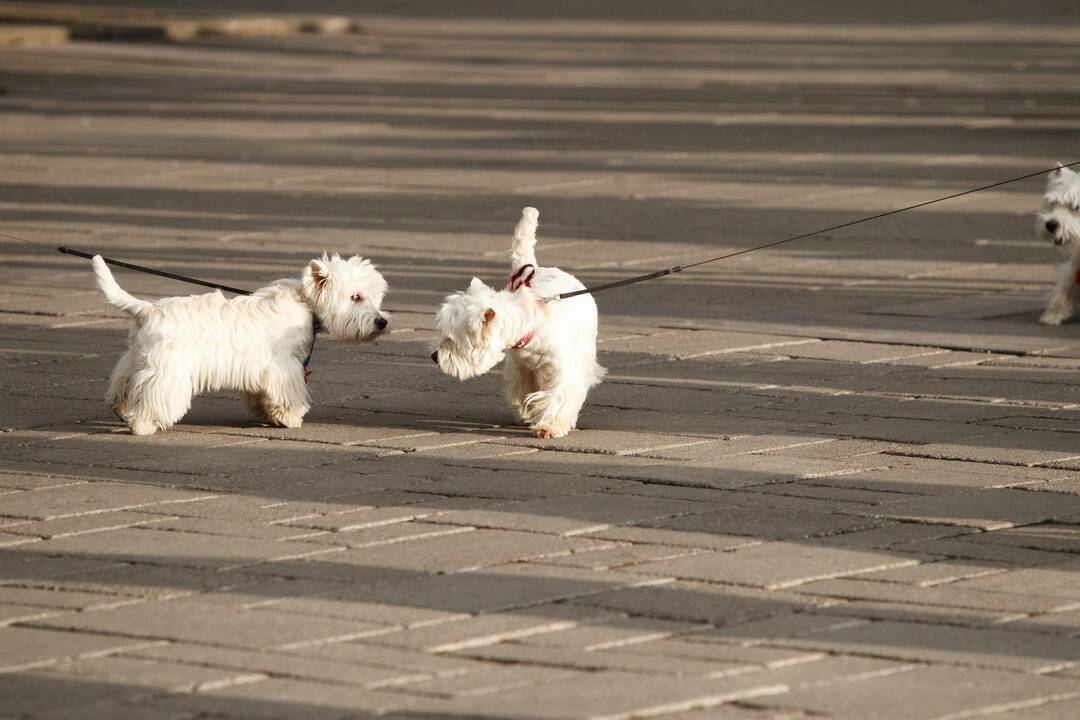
358 298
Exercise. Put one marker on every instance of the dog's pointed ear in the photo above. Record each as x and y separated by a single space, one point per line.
489 315
476 283
319 273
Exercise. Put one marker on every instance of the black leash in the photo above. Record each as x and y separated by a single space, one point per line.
617 283
130 266
679 268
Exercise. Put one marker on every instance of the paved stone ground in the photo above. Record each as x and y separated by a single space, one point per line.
839 478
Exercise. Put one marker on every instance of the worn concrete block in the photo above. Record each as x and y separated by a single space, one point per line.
775 565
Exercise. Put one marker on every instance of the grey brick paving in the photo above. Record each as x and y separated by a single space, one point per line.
839 478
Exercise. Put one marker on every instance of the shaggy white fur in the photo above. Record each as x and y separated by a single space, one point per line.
1058 222
256 344
552 347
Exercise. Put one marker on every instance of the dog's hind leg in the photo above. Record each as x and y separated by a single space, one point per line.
158 403
120 385
256 404
552 411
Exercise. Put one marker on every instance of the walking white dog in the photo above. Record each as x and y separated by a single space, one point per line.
1058 222
552 346
258 344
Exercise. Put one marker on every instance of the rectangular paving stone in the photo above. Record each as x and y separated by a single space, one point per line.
979 647
611 442
957 595
990 509
775 565
1056 537
844 351
490 680
121 582
923 476
688 344
160 673
972 546
574 515
338 600
490 628
29 647
461 551
176 548
404 662
40 693
282 697
216 625
750 444
373 517
274 663
741 657
614 633
621 556
81 524
701 602
942 692
872 610
57 502
1007 447
53 597
532 655
616 694
1053 580
376 535
673 539
11 613
506 587
762 518
942 572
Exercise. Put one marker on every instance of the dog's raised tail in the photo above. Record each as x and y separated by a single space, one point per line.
523 249
115 294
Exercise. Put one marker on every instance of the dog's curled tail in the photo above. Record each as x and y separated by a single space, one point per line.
115 294
523 249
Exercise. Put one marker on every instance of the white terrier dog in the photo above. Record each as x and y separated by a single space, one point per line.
552 346
1059 222
258 344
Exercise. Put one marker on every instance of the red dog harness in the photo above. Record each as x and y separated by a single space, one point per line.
523 276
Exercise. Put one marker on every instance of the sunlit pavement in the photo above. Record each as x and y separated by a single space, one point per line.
837 478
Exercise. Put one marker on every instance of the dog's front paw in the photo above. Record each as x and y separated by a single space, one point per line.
551 432
285 418
1052 317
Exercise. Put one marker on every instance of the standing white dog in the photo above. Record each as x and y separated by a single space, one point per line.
1059 222
258 344
552 346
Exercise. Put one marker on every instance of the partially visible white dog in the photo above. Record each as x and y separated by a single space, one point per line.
1059 222
552 346
257 344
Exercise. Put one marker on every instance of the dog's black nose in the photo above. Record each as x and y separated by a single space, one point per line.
1052 225
381 323
435 356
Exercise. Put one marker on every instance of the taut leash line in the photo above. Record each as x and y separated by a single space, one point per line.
679 268
130 266
152 271
617 283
